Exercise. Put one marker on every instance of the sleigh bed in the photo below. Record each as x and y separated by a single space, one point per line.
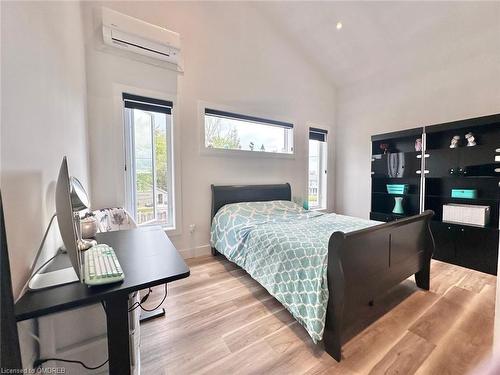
360 264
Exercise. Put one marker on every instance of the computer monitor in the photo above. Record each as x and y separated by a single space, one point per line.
65 217
66 222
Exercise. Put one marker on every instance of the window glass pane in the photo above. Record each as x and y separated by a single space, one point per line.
317 174
143 166
151 178
236 134
161 167
314 173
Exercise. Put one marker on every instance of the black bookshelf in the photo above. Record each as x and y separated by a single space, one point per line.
431 175
407 170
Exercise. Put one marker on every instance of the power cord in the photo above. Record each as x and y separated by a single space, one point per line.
135 305
40 361
157 307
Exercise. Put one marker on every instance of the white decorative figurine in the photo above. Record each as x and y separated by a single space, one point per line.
418 144
454 141
471 141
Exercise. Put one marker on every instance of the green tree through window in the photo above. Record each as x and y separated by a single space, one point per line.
145 179
161 157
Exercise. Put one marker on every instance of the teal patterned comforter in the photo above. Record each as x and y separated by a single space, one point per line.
284 248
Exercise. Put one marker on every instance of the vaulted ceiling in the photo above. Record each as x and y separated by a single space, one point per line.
383 37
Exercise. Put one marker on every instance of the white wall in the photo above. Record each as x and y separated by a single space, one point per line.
43 118
466 89
232 57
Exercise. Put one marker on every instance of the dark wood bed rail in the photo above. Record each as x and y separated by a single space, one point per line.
362 265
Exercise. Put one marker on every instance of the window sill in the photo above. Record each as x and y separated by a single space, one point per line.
244 153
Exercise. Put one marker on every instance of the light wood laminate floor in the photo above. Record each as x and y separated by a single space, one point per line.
221 321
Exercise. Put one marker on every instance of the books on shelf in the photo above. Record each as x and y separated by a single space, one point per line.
466 214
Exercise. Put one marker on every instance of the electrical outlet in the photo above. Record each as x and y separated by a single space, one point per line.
192 228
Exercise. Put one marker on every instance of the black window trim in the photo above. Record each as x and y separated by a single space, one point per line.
147 104
316 134
254 119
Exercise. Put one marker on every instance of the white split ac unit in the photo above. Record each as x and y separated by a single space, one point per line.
134 35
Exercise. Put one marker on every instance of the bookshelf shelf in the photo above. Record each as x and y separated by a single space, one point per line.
396 195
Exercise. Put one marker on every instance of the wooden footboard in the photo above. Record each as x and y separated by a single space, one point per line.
364 264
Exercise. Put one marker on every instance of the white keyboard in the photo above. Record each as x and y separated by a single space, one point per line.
101 266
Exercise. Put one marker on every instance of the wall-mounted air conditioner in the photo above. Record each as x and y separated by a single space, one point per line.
134 35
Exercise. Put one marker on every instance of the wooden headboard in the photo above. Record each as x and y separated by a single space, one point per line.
222 195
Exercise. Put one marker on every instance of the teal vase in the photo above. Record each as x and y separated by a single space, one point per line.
398 206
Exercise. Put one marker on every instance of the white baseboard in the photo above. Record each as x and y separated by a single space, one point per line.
196 251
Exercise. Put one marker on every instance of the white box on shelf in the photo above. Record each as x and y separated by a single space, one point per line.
466 214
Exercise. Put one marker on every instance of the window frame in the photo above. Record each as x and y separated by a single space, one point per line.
152 104
323 167
250 116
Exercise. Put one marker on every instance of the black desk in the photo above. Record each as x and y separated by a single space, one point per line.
147 257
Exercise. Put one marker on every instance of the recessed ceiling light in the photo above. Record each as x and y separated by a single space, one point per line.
339 25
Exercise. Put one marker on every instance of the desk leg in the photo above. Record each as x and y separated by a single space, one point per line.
118 335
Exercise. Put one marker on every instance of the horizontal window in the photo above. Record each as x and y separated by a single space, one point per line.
232 131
